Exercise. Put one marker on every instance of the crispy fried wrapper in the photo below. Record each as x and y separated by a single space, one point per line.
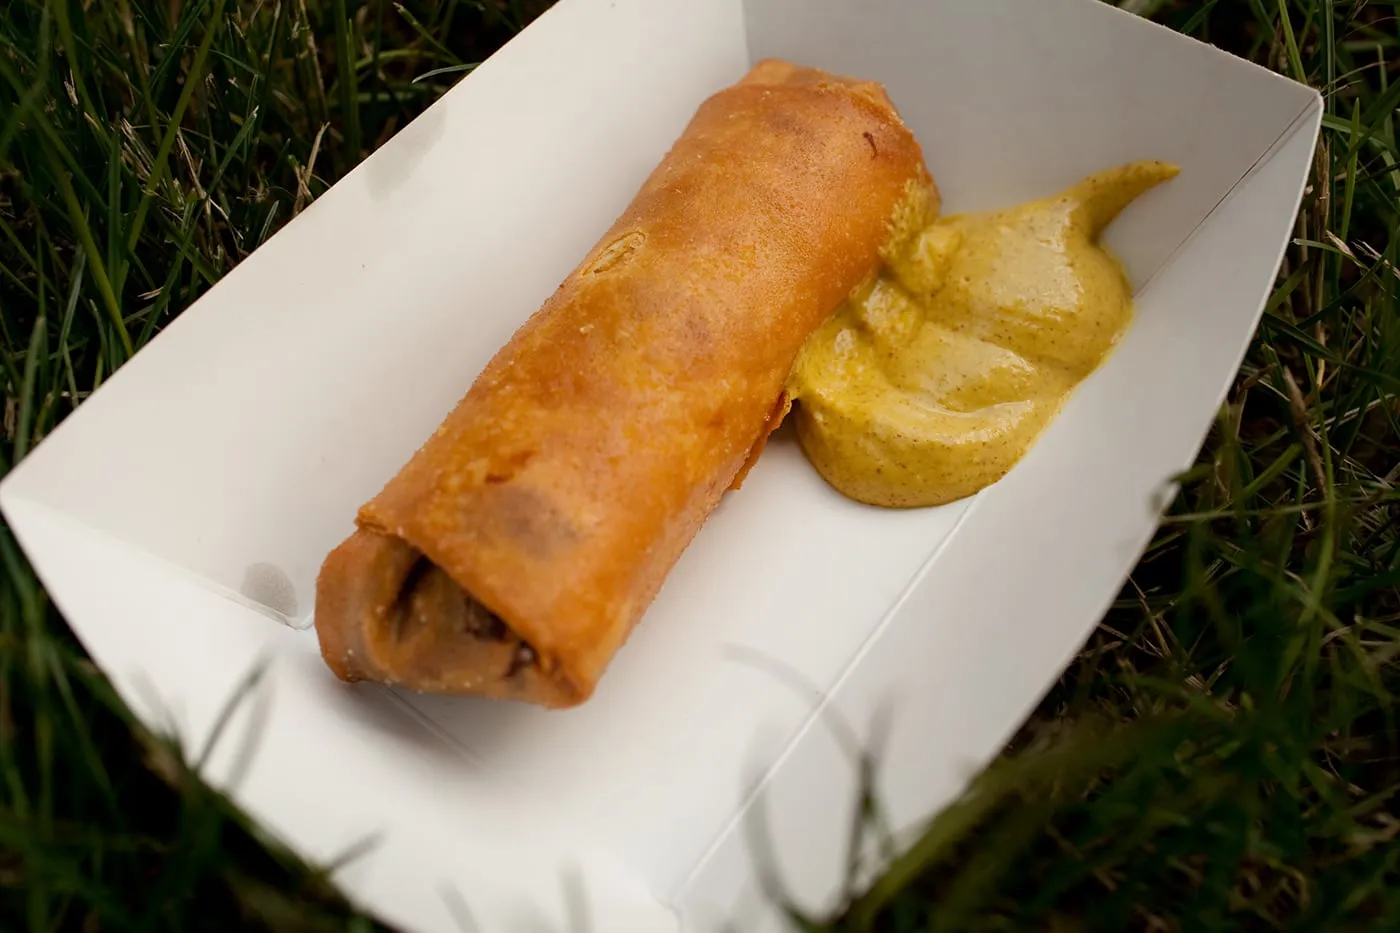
514 553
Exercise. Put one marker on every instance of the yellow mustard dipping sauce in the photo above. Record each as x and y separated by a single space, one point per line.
931 381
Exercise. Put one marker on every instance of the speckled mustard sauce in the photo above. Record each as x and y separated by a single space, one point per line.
933 379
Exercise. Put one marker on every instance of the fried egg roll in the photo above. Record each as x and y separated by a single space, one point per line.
513 554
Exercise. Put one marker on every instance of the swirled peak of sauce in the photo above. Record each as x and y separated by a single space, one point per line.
933 379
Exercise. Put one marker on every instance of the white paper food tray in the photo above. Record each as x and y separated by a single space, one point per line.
191 500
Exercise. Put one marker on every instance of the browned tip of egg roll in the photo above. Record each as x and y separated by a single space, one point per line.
513 554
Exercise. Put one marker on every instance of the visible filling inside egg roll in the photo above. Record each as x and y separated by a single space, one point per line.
428 624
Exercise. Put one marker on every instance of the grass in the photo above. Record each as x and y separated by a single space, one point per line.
1222 756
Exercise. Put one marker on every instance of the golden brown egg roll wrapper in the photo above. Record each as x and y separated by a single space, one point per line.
513 554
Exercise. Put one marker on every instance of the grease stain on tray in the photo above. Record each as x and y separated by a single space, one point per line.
268 585
394 164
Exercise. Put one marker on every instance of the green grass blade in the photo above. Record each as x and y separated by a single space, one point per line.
345 57
32 360
89 244
167 143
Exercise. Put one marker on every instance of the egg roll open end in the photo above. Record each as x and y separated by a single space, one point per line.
412 624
